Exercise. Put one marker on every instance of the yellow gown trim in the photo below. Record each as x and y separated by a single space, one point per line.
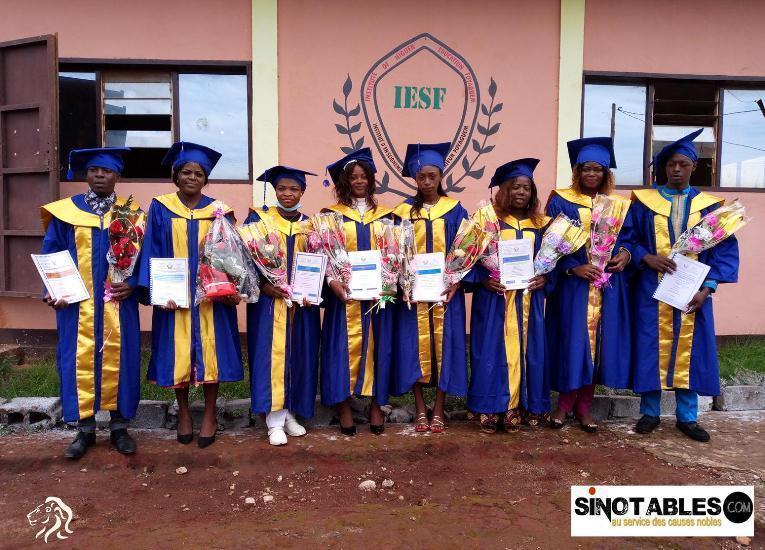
174 204
66 211
353 214
442 207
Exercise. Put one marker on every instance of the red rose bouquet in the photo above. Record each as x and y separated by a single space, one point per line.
126 228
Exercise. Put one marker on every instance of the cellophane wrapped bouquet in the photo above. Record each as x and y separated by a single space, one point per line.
563 236
328 226
387 240
486 216
408 250
712 229
607 220
224 265
468 246
264 244
126 229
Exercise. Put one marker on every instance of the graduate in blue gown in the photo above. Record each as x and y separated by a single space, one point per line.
199 344
430 348
508 378
283 342
590 327
356 342
675 349
98 353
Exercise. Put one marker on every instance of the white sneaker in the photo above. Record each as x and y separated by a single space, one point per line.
292 427
276 436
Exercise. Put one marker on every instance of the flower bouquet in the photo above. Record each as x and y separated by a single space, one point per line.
331 236
265 246
468 246
486 216
408 250
607 219
126 228
563 236
387 240
224 267
713 228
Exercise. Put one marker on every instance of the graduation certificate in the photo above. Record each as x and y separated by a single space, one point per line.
677 289
428 277
169 281
516 263
308 277
61 277
366 274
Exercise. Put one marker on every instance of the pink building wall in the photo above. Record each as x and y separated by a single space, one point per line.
652 36
321 43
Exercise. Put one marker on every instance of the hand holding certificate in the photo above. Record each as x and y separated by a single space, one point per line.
678 288
308 277
429 277
61 277
169 281
366 275
516 263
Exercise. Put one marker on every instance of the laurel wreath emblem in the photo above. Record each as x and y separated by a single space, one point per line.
480 146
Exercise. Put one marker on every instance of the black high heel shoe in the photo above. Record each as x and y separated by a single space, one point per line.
185 439
349 431
377 429
205 441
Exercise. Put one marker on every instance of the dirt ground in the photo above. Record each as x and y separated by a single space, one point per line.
454 490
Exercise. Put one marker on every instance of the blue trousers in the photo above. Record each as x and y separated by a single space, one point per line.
686 404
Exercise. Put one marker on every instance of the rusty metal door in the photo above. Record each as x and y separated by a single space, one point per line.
28 155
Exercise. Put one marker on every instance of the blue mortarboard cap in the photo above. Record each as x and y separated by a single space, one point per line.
360 155
592 149
684 146
424 154
103 157
185 151
520 167
275 173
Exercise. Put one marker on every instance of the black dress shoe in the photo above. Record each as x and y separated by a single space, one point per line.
693 430
377 429
122 441
79 446
647 424
203 442
349 431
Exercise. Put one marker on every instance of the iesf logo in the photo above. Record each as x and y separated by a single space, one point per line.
663 510
54 516
421 90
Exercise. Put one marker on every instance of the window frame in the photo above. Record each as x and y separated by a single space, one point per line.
174 67
649 79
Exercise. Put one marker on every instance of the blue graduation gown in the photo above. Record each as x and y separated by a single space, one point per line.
590 327
430 340
507 339
672 350
356 345
282 342
196 345
93 376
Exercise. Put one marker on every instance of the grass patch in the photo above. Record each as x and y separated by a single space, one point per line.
745 356
40 379
740 360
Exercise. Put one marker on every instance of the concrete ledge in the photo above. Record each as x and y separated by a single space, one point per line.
31 413
151 414
741 398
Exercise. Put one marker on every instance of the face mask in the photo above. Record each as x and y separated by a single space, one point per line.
293 209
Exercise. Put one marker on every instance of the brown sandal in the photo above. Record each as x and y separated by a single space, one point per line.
437 425
488 423
421 423
512 420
